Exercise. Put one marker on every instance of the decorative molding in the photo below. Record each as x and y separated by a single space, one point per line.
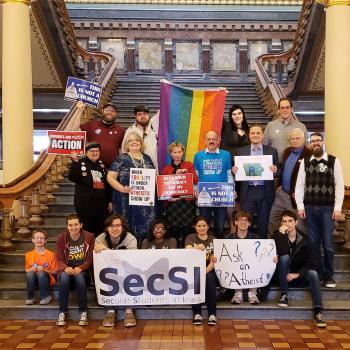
318 78
193 2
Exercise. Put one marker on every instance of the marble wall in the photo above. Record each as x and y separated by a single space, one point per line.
187 56
224 56
256 49
115 47
150 55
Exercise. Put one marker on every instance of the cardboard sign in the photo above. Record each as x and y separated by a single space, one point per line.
253 168
142 184
83 90
175 186
244 263
150 277
66 142
216 194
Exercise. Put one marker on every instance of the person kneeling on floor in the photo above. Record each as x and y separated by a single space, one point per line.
297 264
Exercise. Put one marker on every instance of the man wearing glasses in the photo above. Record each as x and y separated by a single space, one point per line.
319 195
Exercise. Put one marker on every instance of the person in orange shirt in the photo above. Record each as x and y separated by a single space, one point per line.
40 266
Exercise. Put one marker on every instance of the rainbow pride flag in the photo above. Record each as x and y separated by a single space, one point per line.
186 115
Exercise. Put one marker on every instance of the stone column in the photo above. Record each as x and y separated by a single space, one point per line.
206 57
130 49
17 100
337 77
243 58
168 48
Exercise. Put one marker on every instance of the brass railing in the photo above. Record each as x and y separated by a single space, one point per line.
35 188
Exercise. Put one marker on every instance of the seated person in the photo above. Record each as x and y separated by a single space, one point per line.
243 221
203 241
297 264
40 266
74 256
116 237
158 237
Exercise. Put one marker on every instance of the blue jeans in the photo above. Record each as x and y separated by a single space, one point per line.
320 226
311 278
210 295
40 278
219 218
80 282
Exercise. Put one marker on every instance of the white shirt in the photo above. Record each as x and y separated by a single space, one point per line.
338 184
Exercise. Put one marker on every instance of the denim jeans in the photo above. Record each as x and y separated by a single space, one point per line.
219 218
80 282
210 295
320 231
40 278
311 278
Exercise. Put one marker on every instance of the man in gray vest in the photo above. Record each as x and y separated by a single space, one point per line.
319 194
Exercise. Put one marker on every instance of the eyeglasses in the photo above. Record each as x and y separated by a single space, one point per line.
115 225
94 151
316 141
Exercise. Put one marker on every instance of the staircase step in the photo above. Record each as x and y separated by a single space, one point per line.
61 207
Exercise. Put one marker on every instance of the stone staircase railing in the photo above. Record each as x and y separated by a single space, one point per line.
34 189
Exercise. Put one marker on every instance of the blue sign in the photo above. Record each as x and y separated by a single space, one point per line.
83 90
216 194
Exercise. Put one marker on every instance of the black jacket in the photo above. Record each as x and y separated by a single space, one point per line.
302 257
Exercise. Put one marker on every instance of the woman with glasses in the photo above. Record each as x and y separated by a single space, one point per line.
93 195
139 217
180 213
115 237
158 237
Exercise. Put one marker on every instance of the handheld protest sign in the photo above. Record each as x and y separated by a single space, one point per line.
142 185
175 186
66 142
216 194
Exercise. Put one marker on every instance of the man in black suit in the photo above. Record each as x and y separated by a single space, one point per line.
257 196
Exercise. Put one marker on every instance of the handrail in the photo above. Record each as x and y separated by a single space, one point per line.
269 90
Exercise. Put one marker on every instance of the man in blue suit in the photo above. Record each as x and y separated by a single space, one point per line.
257 196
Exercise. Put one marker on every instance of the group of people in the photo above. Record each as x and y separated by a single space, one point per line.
299 215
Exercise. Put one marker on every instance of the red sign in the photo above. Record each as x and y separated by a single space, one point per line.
66 142
175 186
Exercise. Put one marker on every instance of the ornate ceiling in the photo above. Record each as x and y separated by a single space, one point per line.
193 2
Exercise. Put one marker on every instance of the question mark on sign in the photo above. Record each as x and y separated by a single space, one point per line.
262 253
226 275
271 245
258 244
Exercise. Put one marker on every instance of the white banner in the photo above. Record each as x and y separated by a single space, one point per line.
142 184
150 277
253 168
244 263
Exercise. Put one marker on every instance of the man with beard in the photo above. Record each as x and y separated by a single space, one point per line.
213 165
106 132
147 128
319 195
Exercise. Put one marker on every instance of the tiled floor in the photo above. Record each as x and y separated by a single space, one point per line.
175 334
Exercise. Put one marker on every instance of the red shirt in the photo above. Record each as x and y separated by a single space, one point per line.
109 136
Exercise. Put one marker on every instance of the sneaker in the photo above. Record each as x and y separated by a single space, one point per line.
61 320
83 319
253 299
329 283
212 320
29 301
320 321
46 300
237 298
129 319
109 319
284 301
197 319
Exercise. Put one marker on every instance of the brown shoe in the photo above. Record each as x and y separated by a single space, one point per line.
129 319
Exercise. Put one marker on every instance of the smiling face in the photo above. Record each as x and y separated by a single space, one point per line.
109 114
237 117
115 229
74 227
176 153
256 135
285 109
158 231
39 239
142 118
316 143
211 141
202 228
134 145
93 154
296 140
242 224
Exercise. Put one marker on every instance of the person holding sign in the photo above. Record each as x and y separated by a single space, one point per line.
243 220
158 237
116 237
257 195
139 217
203 241
214 165
93 195
297 264
180 213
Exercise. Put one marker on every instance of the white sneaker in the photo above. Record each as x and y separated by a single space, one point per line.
212 320
61 320
197 319
237 298
83 319
253 299
46 300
